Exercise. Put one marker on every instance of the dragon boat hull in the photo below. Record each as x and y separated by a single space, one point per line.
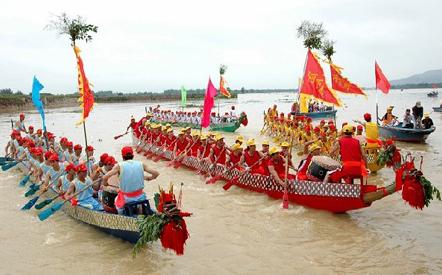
123 227
318 115
405 134
332 197
224 127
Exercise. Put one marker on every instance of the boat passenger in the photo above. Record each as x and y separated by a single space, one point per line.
427 122
408 120
131 176
418 112
389 119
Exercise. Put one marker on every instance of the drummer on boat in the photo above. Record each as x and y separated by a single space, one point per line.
131 176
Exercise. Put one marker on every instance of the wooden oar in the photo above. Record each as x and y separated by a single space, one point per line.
43 215
200 170
285 196
158 157
117 137
31 202
208 181
178 164
235 180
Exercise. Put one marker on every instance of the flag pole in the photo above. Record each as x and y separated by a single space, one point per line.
85 142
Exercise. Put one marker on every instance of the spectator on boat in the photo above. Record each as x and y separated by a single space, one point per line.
408 120
389 119
427 122
418 113
352 157
131 176
20 125
233 112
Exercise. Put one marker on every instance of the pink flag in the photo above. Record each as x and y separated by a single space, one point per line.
208 104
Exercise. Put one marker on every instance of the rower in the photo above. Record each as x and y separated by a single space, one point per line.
218 152
352 157
55 171
195 144
234 156
97 167
265 147
251 158
276 166
285 151
204 149
83 185
181 144
89 158
131 176
65 181
77 156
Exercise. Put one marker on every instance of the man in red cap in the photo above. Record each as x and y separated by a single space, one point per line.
77 156
55 171
82 189
131 175
88 158
20 125
97 167
65 181
371 132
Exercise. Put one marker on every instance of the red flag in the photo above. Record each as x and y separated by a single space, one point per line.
222 87
208 104
86 95
342 84
314 82
381 81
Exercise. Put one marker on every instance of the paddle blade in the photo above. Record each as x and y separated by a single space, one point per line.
228 185
43 203
43 215
177 165
285 200
9 165
30 192
24 180
30 203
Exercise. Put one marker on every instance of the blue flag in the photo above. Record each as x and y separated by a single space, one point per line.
36 88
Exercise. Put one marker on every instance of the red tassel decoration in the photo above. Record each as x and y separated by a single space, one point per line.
413 192
174 236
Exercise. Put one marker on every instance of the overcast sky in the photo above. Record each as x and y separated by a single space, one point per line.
156 45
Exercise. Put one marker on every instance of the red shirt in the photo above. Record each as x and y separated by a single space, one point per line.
219 154
234 159
181 145
278 165
350 149
251 159
205 150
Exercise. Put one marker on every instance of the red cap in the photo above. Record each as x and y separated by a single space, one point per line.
127 150
309 119
69 167
110 160
38 151
69 144
53 157
31 127
331 122
39 131
77 147
22 115
360 127
89 148
47 155
81 168
63 140
322 122
367 116
103 157
316 129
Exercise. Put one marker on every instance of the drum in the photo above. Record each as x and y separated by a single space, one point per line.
319 167
108 200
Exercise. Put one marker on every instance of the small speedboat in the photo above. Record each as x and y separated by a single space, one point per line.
433 94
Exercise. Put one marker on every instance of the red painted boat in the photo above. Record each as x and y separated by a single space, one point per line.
332 197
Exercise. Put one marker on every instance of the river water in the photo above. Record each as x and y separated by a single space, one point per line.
235 231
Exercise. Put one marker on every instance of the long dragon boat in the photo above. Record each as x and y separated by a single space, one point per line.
120 226
405 134
229 127
333 197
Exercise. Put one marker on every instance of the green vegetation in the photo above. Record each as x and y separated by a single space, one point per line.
75 28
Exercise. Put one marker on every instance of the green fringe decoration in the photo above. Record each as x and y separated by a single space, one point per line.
385 156
150 230
430 191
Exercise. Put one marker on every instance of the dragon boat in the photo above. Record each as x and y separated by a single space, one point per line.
227 126
332 197
120 226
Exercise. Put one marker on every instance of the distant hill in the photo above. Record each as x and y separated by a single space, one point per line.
433 76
